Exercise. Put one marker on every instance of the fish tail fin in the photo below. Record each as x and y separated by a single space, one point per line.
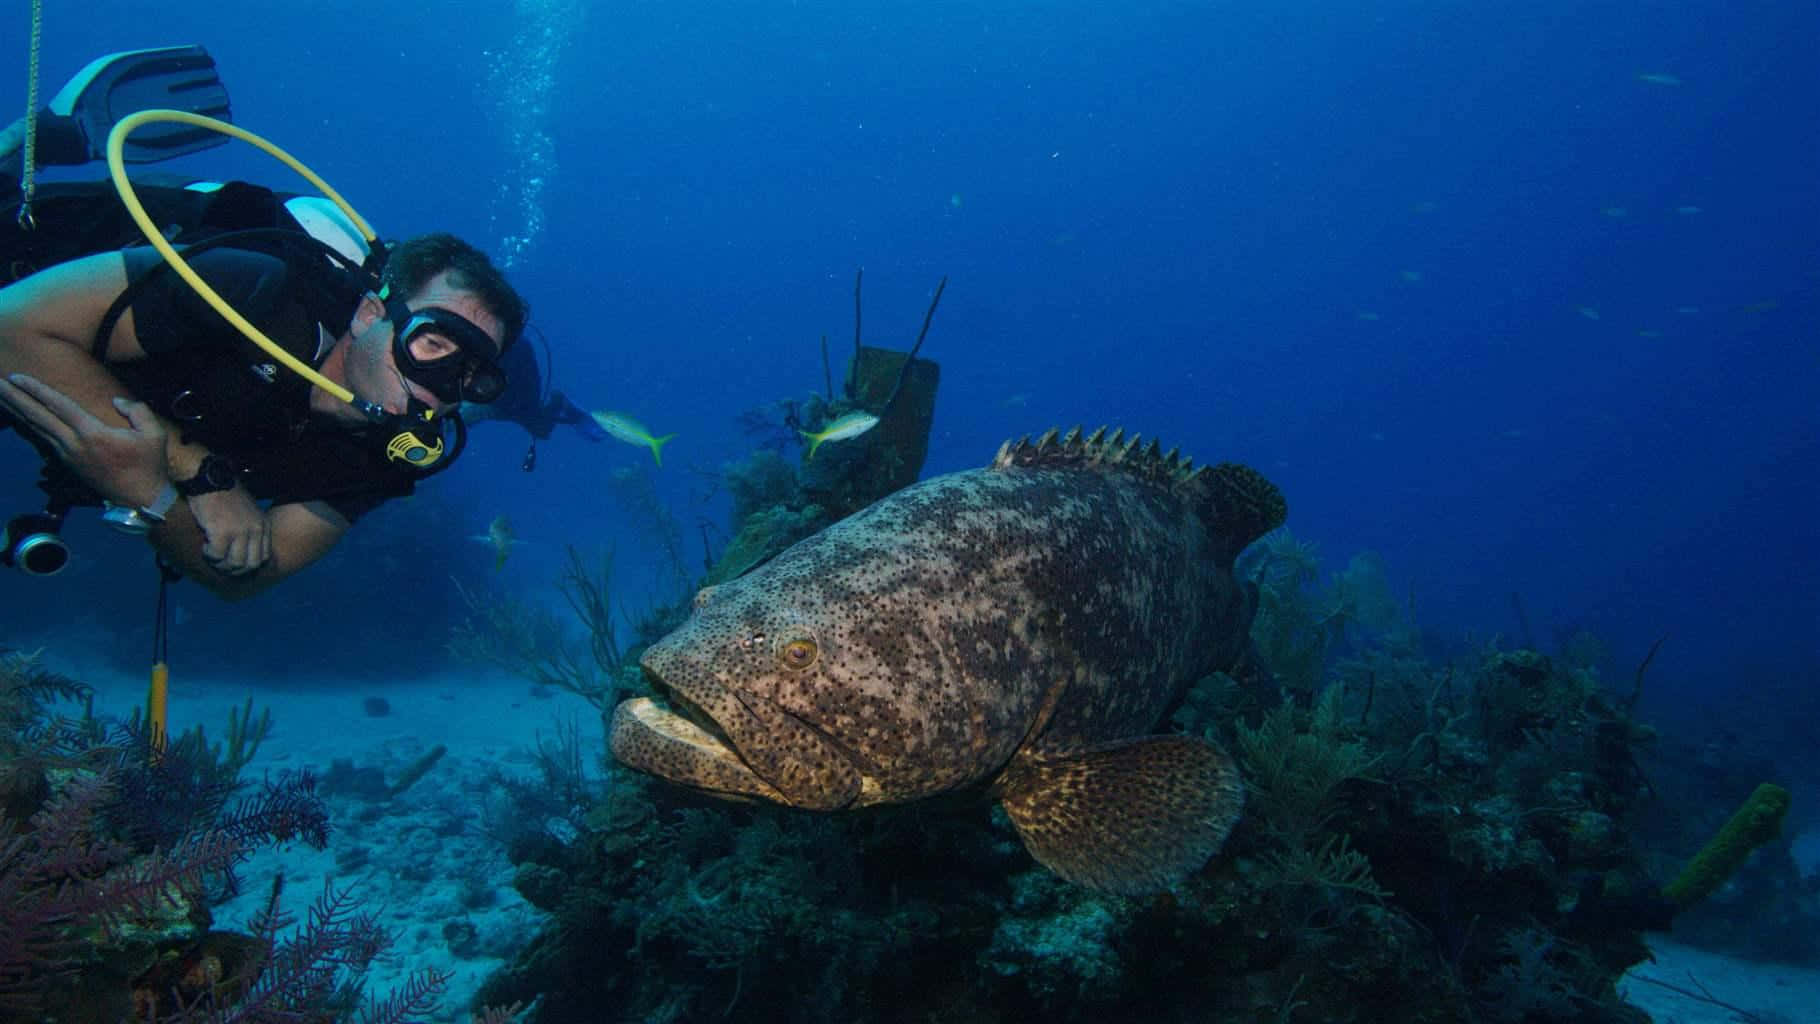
657 448
499 561
1239 504
815 441
1134 817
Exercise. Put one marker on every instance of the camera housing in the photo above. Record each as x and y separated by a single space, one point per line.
33 544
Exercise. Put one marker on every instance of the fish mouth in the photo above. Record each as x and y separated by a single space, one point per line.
668 699
675 738
702 732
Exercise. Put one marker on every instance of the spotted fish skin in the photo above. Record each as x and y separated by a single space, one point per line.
1023 626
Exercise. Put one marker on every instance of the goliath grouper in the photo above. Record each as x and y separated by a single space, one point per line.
1020 628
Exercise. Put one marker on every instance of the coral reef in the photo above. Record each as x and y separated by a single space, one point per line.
847 477
1425 840
774 506
112 853
530 641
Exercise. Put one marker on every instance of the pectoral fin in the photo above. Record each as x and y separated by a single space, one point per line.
1131 817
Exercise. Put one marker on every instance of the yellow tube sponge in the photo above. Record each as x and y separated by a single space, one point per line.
1755 823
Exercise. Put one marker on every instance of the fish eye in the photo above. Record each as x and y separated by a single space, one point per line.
798 654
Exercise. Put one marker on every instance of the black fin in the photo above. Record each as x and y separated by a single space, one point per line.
1131 817
120 84
1241 504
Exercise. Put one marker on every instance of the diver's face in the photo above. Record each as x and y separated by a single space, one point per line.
373 371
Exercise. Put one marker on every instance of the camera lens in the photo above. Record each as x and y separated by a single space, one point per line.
32 546
41 554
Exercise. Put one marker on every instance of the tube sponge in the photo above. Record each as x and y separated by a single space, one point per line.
1755 823
416 770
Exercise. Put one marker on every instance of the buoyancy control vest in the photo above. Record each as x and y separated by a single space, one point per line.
76 219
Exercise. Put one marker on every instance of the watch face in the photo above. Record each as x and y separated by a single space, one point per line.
218 472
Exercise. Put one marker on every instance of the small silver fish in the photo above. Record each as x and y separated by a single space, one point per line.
500 537
847 425
629 430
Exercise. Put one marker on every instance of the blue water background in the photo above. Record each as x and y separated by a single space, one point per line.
1475 293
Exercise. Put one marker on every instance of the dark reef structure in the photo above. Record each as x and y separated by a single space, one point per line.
776 505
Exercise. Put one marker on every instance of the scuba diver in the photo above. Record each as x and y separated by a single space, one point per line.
144 399
528 402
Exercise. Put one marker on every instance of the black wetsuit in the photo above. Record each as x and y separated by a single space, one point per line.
201 373
232 397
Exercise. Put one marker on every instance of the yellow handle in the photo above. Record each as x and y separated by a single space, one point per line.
157 700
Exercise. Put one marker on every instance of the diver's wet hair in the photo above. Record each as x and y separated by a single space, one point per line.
412 263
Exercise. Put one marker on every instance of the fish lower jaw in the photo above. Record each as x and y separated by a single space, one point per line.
651 738
676 728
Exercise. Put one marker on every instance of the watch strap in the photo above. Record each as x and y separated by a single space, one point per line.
137 520
215 473
159 507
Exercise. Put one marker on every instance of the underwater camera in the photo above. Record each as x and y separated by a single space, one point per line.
32 545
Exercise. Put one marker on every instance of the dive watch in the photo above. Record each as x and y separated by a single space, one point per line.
217 473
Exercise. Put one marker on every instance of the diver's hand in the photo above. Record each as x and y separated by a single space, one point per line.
124 464
237 532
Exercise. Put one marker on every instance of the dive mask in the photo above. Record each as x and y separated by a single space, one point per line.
468 371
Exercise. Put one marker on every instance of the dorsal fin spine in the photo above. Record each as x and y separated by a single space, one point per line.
1236 502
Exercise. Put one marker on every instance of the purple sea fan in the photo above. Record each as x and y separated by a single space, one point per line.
46 876
62 884
283 810
321 965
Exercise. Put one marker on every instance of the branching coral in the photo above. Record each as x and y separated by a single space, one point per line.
1300 620
68 890
1295 775
35 737
318 966
528 640
104 889
29 728
553 804
43 888
1294 772
166 794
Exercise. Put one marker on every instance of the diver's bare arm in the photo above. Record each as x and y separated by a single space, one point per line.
301 533
47 325
48 320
